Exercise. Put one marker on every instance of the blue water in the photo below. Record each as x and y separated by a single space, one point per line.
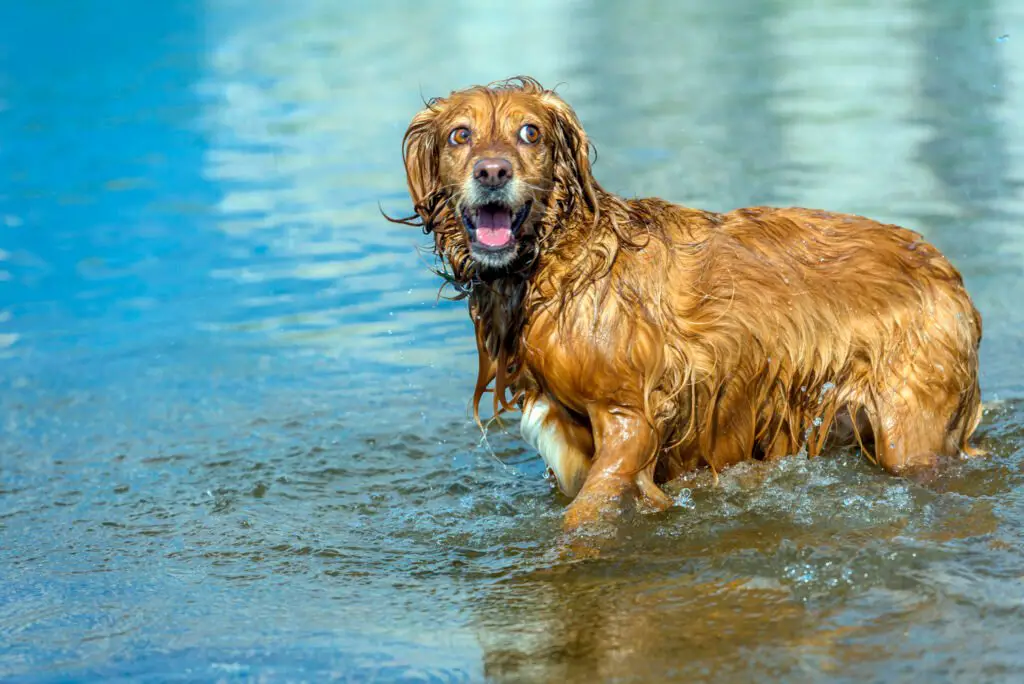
234 441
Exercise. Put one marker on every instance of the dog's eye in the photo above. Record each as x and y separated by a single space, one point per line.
529 134
459 136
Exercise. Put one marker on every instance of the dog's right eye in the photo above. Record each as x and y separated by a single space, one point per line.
459 136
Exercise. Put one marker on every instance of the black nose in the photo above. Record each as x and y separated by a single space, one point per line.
492 172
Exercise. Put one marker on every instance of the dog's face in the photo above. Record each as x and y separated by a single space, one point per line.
497 160
488 166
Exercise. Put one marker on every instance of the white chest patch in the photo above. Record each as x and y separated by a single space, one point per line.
542 429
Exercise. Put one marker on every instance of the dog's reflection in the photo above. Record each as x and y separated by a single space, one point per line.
577 625
708 611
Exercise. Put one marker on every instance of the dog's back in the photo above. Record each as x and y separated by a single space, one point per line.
802 323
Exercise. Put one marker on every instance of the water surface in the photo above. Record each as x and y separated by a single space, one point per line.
235 440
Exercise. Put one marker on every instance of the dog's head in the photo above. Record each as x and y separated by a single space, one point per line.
491 169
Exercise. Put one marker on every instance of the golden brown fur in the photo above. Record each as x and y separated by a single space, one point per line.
666 338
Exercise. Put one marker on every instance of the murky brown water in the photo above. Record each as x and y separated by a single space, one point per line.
235 436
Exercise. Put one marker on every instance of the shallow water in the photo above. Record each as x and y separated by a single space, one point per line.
235 441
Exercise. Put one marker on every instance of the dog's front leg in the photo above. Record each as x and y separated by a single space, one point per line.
566 446
623 467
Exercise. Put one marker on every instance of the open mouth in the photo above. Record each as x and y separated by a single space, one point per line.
494 227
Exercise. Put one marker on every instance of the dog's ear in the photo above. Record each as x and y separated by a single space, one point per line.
420 149
571 156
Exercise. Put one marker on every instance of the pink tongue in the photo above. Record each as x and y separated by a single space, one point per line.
494 227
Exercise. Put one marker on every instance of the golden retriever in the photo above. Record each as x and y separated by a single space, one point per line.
642 339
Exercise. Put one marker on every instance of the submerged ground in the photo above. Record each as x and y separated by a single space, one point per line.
235 441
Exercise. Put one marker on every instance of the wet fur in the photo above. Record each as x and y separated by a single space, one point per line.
662 338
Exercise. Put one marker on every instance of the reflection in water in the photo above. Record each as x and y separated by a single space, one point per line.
967 152
668 125
717 595
599 626
235 438
845 117
97 162
306 149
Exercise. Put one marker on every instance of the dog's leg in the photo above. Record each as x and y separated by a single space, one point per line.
915 428
623 466
565 445
967 421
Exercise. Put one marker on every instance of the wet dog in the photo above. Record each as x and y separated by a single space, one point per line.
642 339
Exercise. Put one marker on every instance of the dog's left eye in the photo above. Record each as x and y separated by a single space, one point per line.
529 134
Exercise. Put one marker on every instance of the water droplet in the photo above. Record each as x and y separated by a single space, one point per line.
684 498
817 421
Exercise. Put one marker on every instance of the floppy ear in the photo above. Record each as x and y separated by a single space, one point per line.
420 154
573 174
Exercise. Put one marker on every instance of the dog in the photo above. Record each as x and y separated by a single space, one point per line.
642 339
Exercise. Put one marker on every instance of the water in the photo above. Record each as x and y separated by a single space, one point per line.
235 440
